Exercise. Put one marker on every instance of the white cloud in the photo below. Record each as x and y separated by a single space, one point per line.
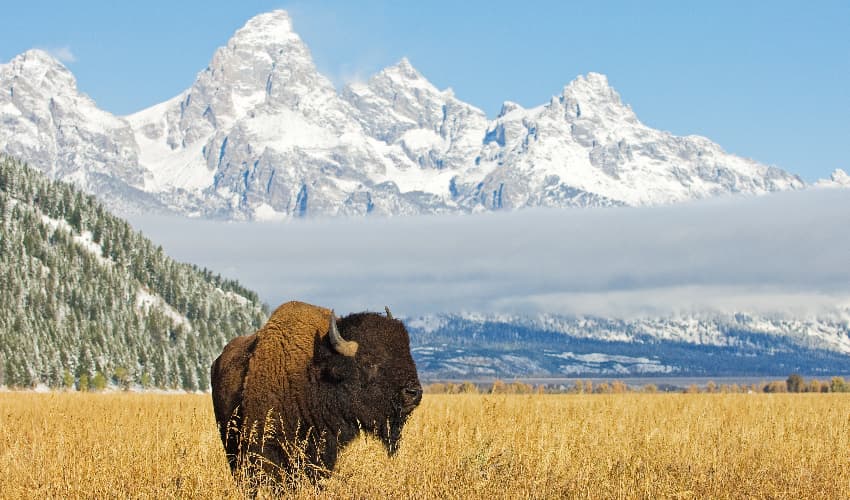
63 54
780 253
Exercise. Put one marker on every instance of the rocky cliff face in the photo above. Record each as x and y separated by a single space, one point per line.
586 147
261 134
47 122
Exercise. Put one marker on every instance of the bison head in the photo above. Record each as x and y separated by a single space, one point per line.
365 365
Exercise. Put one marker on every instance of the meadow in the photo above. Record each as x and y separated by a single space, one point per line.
126 445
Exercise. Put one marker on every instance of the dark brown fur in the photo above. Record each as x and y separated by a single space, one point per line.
288 383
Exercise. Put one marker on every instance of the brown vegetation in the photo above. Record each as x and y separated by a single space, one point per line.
122 445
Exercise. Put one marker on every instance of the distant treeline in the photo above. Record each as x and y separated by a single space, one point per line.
794 383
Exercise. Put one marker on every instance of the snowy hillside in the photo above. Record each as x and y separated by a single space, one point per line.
261 134
84 294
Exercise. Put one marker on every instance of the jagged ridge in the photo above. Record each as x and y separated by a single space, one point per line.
262 134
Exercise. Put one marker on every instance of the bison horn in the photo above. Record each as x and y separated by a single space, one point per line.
389 314
340 345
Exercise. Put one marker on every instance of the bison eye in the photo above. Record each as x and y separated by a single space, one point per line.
413 392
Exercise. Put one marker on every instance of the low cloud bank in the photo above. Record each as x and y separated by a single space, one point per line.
784 253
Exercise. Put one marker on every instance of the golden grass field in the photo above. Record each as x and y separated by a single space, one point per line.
122 445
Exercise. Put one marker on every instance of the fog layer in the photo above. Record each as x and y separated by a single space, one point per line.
784 253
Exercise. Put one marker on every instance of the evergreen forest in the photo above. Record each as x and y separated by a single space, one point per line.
86 301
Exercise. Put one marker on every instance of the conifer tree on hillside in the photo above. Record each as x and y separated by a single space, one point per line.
82 294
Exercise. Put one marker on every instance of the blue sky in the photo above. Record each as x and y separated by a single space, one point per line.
766 80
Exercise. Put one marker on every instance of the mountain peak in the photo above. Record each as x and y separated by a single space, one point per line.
507 107
264 63
42 70
592 95
402 76
593 85
596 79
265 41
404 63
839 178
273 27
261 131
38 56
404 70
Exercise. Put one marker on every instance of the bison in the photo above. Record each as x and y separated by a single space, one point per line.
289 396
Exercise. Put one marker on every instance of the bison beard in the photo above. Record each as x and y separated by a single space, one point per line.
287 397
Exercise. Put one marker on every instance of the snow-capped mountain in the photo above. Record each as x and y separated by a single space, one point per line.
838 179
439 133
587 143
261 134
47 122
467 345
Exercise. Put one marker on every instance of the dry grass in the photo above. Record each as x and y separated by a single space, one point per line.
459 446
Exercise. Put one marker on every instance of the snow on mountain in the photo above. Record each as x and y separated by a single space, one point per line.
261 134
838 179
440 134
829 332
586 141
50 124
488 345
264 68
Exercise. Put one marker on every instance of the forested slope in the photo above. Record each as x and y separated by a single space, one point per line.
85 298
